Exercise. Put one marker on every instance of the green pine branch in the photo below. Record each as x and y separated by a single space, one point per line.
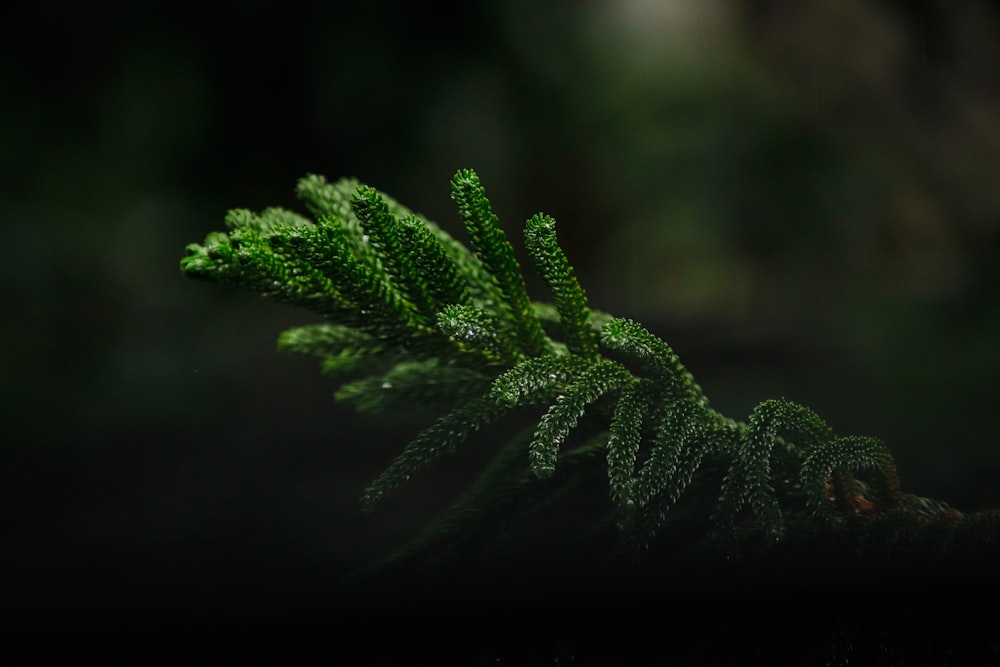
412 320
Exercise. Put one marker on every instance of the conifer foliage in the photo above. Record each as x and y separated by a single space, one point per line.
415 320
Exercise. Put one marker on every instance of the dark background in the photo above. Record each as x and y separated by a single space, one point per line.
801 197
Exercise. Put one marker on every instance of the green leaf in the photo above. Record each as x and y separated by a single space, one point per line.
570 300
749 478
255 255
438 439
323 339
653 356
439 275
479 330
385 234
599 378
378 306
623 444
412 386
497 255
324 199
535 379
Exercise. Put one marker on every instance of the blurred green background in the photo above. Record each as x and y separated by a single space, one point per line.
803 198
